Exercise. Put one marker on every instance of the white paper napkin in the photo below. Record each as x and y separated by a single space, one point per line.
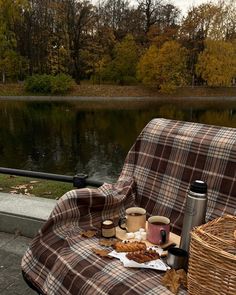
157 264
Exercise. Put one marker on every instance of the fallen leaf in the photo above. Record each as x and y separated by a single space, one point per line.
1 189
88 233
101 252
183 277
34 181
171 280
20 186
47 193
13 192
107 242
28 194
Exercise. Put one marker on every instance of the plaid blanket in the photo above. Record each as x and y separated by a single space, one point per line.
165 158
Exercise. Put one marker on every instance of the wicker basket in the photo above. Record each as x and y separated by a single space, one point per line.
212 259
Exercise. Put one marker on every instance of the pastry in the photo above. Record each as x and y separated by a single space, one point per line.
143 256
129 246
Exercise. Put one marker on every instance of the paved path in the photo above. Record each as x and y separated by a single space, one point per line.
12 249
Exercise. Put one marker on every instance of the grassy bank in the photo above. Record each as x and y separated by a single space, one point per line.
31 186
86 89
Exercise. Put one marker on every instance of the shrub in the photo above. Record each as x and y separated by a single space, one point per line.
48 84
61 83
38 84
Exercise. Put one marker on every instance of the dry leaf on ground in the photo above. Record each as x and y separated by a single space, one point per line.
101 252
88 233
34 181
20 186
107 242
183 277
173 279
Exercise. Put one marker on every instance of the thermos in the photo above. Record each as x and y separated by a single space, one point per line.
195 211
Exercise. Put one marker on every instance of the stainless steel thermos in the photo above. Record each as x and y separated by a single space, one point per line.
195 211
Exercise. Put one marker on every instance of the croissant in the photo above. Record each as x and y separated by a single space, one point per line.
129 246
143 256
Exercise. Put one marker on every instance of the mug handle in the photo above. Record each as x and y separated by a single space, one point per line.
163 236
121 221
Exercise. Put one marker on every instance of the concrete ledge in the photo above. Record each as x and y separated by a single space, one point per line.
22 214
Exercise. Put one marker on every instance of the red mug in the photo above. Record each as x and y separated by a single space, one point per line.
158 230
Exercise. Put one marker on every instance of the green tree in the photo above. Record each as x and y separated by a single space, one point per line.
165 68
217 63
122 68
12 65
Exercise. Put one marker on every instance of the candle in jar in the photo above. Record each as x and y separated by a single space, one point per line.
108 229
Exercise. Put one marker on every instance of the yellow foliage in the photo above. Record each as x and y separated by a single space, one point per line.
165 68
217 63
147 66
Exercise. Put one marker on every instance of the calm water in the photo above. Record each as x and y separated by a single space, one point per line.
71 137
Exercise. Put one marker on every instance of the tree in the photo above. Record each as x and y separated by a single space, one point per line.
165 68
166 29
147 67
151 12
217 63
79 20
195 28
122 69
11 63
115 15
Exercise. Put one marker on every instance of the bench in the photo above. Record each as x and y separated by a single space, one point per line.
166 157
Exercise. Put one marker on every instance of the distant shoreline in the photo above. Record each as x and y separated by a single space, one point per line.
116 98
103 92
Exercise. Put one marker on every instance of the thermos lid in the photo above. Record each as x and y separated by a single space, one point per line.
198 186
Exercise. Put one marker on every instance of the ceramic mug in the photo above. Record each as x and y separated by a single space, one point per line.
134 220
158 229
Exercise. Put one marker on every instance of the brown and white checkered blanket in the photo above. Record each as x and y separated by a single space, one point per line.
166 157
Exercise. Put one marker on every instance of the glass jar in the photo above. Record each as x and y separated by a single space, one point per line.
108 229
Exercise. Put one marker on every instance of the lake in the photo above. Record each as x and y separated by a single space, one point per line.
70 137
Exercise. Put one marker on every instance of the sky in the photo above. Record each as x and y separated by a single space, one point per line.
184 5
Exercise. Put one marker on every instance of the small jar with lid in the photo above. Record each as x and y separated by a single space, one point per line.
108 229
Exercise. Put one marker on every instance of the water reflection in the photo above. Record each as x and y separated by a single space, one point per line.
68 137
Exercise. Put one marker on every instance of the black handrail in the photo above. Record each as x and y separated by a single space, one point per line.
79 180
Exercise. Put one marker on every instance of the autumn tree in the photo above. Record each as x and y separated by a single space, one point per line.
151 12
195 28
147 67
115 15
79 18
217 63
12 63
165 68
122 68
167 26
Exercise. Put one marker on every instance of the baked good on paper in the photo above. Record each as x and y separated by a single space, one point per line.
129 246
143 256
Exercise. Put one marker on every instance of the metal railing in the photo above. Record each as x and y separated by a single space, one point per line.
78 180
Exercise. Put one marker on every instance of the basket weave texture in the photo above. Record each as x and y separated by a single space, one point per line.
212 258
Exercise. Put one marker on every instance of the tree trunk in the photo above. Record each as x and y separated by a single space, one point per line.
3 77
